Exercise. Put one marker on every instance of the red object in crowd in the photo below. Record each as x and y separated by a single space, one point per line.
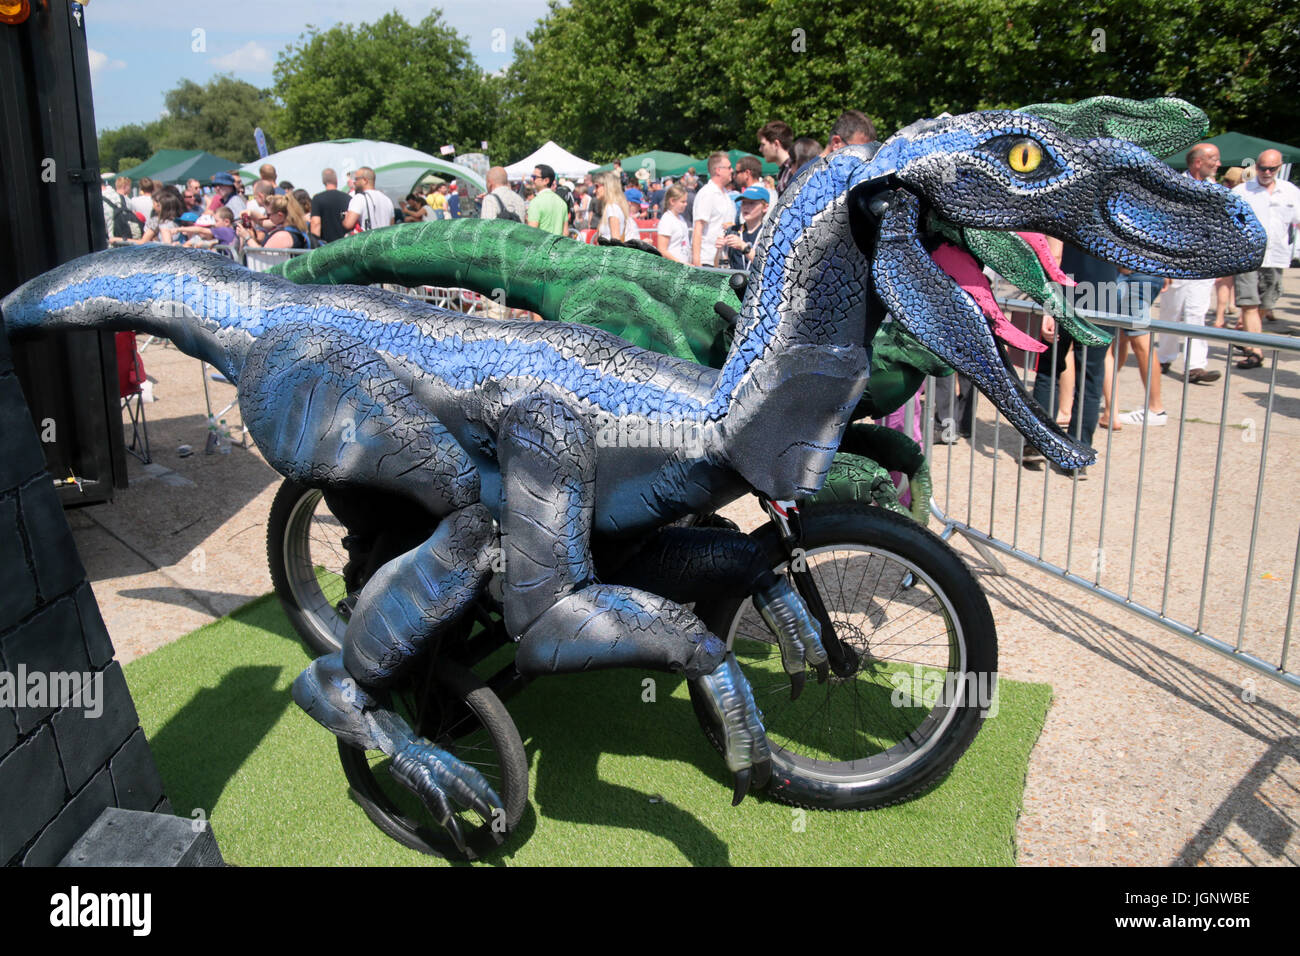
130 367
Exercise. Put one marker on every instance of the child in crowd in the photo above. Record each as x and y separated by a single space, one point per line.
216 229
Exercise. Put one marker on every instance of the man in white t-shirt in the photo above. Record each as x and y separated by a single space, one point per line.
1187 300
712 212
1276 204
369 207
143 203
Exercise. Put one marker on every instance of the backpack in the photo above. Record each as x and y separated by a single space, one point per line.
126 225
565 193
502 211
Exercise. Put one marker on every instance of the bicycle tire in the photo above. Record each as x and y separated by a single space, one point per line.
890 753
439 717
306 556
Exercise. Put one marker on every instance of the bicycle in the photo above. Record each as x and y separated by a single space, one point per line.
910 639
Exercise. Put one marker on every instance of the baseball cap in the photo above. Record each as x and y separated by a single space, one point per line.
756 192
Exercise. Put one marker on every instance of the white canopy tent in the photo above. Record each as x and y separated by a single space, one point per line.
557 157
397 168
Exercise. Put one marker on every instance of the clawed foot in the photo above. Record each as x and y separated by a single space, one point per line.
446 785
796 631
744 740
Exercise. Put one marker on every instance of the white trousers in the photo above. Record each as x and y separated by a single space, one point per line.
1186 301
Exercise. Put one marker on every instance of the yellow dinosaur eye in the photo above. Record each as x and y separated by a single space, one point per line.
1025 156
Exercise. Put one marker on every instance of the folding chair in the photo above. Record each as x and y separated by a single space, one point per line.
130 379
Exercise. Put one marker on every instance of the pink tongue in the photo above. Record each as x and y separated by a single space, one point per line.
962 266
1038 242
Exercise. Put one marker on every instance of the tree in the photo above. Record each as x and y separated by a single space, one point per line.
125 141
609 80
219 117
414 85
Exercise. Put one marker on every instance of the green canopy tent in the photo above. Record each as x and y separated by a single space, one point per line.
659 163
1236 148
178 165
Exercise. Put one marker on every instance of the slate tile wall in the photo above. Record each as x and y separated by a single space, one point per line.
58 767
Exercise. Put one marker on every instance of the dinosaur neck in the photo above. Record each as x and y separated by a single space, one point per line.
808 282
799 351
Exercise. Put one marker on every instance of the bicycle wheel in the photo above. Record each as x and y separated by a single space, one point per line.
304 547
462 716
927 649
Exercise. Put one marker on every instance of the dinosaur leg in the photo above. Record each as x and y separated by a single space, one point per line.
325 408
567 622
692 564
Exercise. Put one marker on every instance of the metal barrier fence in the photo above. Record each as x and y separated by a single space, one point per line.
1194 533
459 300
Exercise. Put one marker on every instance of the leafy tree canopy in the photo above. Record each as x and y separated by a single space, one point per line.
219 117
415 85
608 80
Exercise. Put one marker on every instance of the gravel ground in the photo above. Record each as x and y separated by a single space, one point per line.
1155 752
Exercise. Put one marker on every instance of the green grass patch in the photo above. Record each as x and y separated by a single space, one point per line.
614 780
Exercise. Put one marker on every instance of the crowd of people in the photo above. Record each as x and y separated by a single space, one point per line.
712 222
268 214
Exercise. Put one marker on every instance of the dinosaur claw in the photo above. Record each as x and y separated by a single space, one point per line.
796 684
762 771
740 785
452 826
823 672
488 806
444 784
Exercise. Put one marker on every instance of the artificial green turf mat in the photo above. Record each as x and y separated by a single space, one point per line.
614 780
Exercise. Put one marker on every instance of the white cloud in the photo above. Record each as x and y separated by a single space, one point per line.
100 62
252 57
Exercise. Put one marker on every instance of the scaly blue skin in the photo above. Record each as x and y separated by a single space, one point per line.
516 423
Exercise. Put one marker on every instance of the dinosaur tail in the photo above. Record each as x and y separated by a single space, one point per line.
208 306
484 255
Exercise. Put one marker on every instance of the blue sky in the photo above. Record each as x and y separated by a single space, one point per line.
140 49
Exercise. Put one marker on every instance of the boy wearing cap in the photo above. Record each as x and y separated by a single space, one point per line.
739 241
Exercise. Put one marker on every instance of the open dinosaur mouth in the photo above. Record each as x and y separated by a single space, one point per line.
962 268
942 297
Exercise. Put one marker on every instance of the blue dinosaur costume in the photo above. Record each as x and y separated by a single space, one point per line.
495 426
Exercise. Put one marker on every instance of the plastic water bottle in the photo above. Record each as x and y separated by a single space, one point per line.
223 438
212 442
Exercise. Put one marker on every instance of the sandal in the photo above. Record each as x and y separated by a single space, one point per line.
1251 361
1106 423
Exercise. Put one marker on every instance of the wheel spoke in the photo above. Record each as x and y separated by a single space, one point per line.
882 719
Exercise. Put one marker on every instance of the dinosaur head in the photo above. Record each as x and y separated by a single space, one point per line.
1013 172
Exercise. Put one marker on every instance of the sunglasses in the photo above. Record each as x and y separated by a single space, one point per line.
1268 169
